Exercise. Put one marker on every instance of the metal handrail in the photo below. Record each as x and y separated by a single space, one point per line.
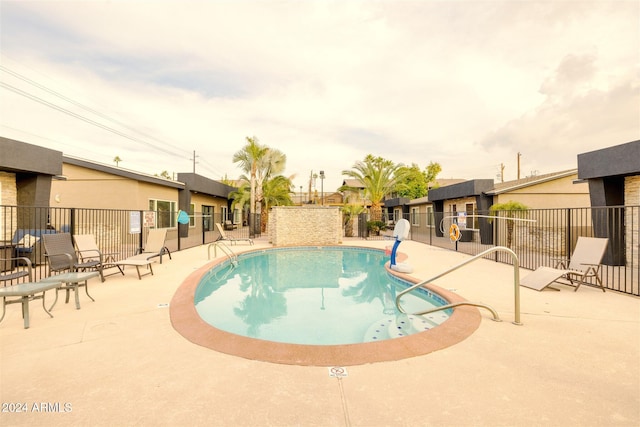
516 284
233 258
456 304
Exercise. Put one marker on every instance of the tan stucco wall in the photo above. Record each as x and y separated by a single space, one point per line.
88 188
559 193
305 225
199 200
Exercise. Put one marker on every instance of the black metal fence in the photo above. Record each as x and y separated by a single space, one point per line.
116 231
537 236
541 236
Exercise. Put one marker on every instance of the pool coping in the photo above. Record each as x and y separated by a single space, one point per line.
185 320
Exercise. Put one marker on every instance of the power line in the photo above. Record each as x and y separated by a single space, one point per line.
211 168
84 107
208 166
85 119
78 104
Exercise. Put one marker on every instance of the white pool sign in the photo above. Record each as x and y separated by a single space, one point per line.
337 372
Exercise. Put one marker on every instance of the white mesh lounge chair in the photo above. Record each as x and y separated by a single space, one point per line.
584 264
88 251
231 238
155 247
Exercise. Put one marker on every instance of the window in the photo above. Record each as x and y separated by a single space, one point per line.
207 217
165 213
469 210
415 216
192 213
225 214
430 218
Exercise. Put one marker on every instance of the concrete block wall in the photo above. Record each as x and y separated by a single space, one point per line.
305 225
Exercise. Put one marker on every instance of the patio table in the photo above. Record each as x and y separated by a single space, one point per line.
71 281
27 291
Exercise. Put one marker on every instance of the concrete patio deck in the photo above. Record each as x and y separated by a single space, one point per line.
118 361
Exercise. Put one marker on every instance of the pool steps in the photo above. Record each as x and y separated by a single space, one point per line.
394 326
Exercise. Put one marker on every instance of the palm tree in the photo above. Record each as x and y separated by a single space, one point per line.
249 158
275 192
511 209
241 196
117 160
378 176
349 212
271 164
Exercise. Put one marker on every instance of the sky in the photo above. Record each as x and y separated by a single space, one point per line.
472 85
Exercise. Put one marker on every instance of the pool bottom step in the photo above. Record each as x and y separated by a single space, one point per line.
395 326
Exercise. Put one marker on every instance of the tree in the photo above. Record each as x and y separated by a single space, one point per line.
249 158
269 166
378 176
414 184
432 171
241 196
349 212
226 181
276 191
117 160
510 209
263 164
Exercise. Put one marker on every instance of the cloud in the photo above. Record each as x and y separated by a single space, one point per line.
588 119
573 71
467 84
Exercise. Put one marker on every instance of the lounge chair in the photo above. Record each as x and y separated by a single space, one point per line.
10 269
584 263
88 251
62 256
67 270
228 225
231 238
155 247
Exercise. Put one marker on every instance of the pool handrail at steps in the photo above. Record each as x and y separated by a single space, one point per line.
516 286
233 258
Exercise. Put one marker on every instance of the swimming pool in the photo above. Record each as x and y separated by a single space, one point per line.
313 295
188 323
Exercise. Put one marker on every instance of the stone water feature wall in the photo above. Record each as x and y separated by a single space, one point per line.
305 225
632 220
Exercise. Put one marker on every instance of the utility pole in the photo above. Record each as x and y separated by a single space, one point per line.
501 172
194 161
519 155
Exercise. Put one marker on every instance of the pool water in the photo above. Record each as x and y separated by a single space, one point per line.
315 295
